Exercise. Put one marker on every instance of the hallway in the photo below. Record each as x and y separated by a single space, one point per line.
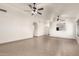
41 46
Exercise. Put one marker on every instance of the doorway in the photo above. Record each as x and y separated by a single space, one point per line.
77 31
35 25
77 28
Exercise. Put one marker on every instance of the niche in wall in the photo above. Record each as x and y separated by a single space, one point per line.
60 26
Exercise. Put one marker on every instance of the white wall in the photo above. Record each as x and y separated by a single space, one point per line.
16 25
41 27
69 32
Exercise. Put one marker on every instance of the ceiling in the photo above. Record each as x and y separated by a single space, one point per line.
62 9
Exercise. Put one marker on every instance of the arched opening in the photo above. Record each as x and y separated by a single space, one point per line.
77 28
35 25
77 31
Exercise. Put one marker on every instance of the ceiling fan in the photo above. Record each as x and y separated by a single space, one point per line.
3 10
59 18
34 9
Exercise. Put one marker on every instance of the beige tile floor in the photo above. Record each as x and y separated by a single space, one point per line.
41 46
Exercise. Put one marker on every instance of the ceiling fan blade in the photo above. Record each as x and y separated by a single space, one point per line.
39 13
41 9
30 6
3 10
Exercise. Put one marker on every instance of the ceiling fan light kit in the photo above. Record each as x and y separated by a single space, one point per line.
34 9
